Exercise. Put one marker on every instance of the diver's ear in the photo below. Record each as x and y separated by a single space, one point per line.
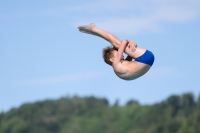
111 59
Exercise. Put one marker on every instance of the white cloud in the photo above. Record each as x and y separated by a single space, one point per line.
123 16
135 17
60 79
174 13
129 25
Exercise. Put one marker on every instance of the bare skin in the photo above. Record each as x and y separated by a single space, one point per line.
124 68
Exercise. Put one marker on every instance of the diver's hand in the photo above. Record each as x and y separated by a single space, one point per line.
132 45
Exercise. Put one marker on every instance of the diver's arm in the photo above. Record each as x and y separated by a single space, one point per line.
120 51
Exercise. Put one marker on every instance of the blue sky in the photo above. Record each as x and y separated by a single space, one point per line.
43 56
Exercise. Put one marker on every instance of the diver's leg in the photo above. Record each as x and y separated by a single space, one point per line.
137 52
115 41
92 29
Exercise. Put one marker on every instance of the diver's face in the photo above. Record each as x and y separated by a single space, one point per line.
115 54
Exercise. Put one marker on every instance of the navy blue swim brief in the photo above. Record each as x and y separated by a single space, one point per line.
146 58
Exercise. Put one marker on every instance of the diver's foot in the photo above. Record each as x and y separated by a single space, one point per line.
87 28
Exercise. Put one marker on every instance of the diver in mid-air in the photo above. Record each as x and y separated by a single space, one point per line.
124 68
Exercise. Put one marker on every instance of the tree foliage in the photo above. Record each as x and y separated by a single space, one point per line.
177 114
